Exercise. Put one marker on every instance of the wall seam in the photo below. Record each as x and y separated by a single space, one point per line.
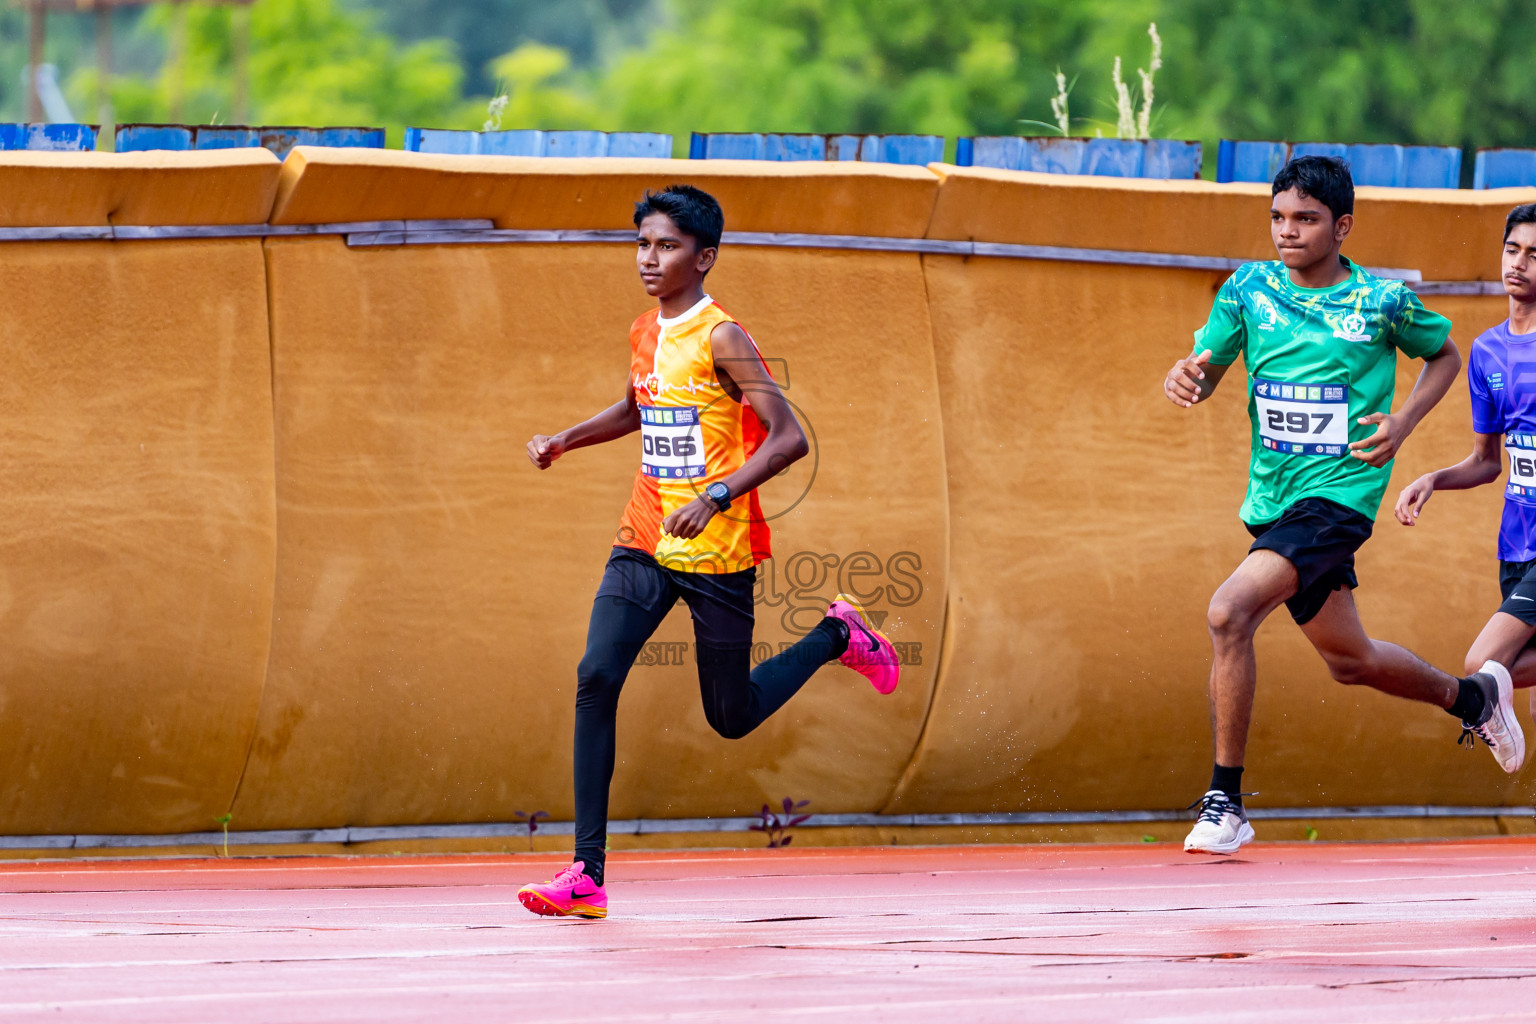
909 772
261 699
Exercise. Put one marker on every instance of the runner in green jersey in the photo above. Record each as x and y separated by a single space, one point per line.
1319 337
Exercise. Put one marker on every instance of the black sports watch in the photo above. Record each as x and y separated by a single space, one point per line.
719 494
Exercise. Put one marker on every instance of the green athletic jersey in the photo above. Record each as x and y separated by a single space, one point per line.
1318 359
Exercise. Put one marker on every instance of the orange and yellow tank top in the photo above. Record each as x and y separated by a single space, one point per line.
692 433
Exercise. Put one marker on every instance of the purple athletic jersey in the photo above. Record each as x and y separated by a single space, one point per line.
1501 374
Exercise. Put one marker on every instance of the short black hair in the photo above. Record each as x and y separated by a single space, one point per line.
1324 178
1525 213
695 212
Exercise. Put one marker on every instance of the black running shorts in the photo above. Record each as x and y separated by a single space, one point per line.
1517 584
1319 537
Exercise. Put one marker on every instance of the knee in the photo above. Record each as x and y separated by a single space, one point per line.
727 728
730 723
598 680
1228 620
1352 669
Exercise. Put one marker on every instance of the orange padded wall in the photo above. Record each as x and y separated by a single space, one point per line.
434 587
137 549
272 543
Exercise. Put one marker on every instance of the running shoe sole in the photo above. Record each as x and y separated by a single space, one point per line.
542 906
1244 837
1505 712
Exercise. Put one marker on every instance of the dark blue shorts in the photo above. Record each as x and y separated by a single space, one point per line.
1319 537
1517 585
720 602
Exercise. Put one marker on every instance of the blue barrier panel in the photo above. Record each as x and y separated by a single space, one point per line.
584 143
1375 165
1249 161
439 140
965 151
794 147
919 150
1431 167
140 137
1002 151
1369 164
224 137
651 144
1053 156
1172 158
844 147
532 142
890 149
57 138
133 138
1119 158
338 138
1504 168
728 146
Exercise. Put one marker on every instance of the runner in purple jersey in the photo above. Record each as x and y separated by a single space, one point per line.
1501 374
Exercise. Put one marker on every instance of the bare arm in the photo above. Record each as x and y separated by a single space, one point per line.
1192 378
614 422
1483 466
1393 429
740 371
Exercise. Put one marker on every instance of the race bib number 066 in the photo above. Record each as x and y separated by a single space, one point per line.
1302 419
672 442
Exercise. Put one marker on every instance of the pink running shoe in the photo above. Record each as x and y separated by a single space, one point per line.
869 653
570 894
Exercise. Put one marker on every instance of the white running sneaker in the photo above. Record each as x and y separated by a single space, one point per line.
1221 828
1499 727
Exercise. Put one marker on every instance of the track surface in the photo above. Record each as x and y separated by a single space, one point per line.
1309 932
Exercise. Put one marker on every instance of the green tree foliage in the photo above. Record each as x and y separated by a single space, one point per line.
312 62
482 30
1419 71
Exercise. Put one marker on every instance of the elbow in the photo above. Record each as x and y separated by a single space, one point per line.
1451 354
799 449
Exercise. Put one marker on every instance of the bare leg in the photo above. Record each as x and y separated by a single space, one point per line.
1356 660
1505 640
1257 587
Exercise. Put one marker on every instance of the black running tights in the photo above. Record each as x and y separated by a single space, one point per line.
737 699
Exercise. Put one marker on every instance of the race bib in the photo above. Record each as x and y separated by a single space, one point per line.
1302 419
672 442
1522 467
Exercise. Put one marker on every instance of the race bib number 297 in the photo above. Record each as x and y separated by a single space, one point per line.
1302 419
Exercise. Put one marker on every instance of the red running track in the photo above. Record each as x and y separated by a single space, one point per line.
1429 932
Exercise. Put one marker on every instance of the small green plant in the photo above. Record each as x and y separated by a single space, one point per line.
223 821
496 108
532 821
1149 839
775 828
1311 834
1144 119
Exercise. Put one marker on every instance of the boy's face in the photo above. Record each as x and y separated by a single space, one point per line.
1304 230
1520 263
669 261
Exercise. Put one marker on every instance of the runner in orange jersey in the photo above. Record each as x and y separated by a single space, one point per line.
713 427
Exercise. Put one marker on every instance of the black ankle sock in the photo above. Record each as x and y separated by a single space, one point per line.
1470 703
596 874
1229 781
840 633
